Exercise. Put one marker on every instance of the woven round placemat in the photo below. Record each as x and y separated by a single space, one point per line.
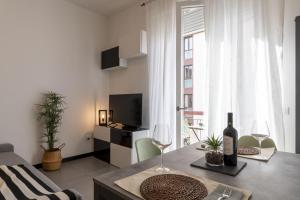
172 187
247 150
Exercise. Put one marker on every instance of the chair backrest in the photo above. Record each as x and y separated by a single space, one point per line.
248 141
145 149
268 143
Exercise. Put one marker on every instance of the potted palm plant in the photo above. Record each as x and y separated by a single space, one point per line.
50 115
214 157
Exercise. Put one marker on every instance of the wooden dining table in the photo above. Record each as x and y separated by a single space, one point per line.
279 178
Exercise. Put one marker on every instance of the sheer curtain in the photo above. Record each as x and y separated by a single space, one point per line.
161 27
244 60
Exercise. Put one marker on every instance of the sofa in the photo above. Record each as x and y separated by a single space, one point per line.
8 157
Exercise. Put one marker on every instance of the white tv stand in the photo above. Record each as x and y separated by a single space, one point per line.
117 146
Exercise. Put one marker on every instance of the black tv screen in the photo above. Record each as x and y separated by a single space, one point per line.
110 58
127 109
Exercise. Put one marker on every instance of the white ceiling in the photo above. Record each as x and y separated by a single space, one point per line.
105 7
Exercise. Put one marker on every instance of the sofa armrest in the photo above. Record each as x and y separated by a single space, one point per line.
6 148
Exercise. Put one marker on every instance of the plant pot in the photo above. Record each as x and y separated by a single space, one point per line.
52 159
214 158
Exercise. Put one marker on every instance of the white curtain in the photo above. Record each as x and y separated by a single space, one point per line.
161 32
244 60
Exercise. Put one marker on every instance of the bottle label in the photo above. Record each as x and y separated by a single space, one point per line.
228 145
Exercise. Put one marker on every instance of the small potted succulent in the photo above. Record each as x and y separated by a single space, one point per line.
214 157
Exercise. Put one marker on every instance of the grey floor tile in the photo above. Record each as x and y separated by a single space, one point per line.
78 174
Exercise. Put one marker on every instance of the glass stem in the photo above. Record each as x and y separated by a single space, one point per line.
162 160
259 146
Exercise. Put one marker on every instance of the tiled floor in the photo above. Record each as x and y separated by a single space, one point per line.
78 174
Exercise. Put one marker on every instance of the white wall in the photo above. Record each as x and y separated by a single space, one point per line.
134 79
292 9
49 45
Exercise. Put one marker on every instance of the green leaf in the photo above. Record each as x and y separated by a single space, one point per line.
50 115
214 143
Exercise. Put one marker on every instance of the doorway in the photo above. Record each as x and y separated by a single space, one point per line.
191 73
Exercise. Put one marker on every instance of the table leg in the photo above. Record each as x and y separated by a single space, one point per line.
196 135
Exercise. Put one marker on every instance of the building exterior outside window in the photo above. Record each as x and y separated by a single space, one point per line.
188 72
188 101
188 47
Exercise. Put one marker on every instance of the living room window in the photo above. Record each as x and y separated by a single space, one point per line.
192 71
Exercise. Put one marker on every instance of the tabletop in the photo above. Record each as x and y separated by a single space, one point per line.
279 178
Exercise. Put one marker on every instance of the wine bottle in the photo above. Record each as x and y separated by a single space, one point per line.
230 136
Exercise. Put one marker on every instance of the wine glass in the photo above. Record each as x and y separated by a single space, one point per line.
162 139
265 133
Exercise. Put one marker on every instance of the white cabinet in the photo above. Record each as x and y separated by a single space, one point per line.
117 146
133 45
120 156
102 133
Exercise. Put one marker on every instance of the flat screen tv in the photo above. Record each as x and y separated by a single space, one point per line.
127 109
110 58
